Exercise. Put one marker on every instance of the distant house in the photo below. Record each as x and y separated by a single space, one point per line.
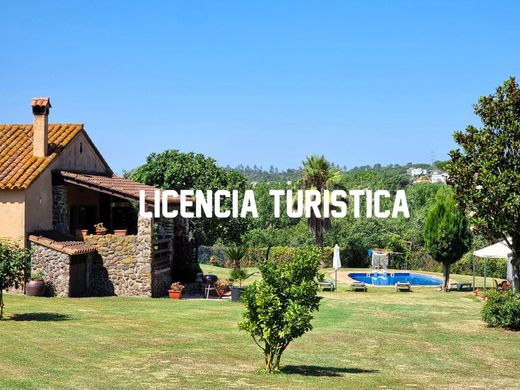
54 183
439 176
414 172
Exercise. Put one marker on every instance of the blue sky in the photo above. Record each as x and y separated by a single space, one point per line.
259 82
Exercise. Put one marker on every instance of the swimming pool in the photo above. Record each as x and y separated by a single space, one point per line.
391 278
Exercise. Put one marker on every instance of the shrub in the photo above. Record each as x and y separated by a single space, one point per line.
14 267
280 306
502 309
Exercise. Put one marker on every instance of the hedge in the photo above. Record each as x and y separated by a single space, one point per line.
277 253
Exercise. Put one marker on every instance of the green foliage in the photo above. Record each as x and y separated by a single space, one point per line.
446 232
240 275
39 274
14 267
279 308
485 171
174 170
502 309
494 268
265 205
258 174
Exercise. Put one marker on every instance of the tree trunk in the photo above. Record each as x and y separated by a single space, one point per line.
516 263
446 273
269 359
1 303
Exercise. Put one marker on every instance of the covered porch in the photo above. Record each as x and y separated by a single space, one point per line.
135 256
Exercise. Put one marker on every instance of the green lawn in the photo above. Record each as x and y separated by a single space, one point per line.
379 339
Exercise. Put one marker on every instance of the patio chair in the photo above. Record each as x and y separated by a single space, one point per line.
358 286
403 286
327 284
502 286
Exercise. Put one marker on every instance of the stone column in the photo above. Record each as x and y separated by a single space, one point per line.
60 217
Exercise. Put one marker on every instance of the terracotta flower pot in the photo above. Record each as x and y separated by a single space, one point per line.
35 288
120 232
101 232
174 294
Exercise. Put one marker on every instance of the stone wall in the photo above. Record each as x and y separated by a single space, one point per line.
122 265
161 282
56 267
59 208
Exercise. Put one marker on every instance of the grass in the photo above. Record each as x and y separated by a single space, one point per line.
379 339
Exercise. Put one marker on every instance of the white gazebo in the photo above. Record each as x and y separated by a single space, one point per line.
500 250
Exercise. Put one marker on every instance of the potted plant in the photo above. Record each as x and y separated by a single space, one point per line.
223 286
101 230
80 233
175 290
239 275
120 232
235 253
36 286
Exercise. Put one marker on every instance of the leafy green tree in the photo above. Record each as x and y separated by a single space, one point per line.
446 232
319 174
14 268
174 170
485 171
279 308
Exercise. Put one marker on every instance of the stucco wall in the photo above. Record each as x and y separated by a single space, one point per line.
38 204
12 215
79 156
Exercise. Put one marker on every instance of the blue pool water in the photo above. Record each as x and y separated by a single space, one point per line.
391 278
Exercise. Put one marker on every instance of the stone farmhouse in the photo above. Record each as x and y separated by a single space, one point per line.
55 186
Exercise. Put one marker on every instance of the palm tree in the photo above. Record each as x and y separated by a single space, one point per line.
319 174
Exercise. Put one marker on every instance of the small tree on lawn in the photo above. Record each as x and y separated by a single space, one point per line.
485 171
279 308
14 264
446 232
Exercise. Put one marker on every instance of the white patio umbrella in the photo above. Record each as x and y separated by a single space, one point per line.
336 264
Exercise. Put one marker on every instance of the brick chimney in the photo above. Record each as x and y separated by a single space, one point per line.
40 109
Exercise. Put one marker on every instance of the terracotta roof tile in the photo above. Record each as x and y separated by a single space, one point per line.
18 166
40 101
111 184
61 243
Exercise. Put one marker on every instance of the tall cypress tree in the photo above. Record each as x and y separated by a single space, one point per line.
446 232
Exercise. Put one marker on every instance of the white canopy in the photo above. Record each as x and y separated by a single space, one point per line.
496 251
